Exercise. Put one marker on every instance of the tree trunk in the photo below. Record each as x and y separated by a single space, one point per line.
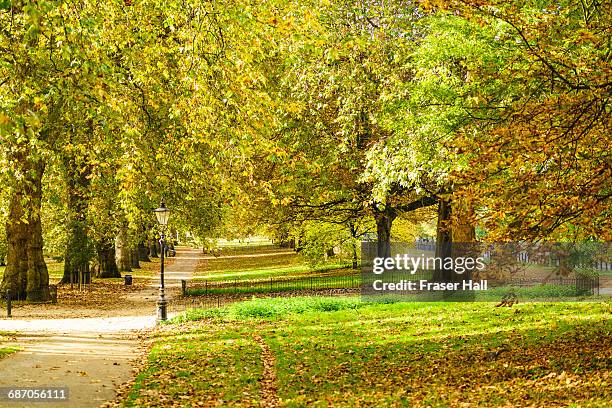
26 273
443 241
107 265
78 248
455 236
143 252
353 232
135 258
283 239
384 222
122 251
153 252
354 250
463 229
463 234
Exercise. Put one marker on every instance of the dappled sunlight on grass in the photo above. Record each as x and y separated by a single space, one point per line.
419 353
258 263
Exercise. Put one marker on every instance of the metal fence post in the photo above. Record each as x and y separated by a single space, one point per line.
8 303
184 287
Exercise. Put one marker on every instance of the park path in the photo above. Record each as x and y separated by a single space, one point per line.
605 285
89 356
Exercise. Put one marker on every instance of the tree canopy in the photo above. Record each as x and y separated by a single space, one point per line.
279 114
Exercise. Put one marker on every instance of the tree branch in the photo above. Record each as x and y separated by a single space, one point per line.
415 205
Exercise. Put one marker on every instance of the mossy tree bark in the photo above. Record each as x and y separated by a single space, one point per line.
455 232
354 258
107 265
384 221
79 251
143 252
134 258
26 273
443 240
123 251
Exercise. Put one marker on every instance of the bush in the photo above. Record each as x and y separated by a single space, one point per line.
272 308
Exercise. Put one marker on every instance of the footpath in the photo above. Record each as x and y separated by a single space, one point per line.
90 357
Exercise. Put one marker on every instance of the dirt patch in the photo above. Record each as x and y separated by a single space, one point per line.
269 396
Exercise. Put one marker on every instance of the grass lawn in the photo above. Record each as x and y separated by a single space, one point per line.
257 262
55 269
249 242
4 349
342 352
149 269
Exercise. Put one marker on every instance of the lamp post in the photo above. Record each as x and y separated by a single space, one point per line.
162 213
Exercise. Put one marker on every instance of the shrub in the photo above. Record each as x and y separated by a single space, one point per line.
272 308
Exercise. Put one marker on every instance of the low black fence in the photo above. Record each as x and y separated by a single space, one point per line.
583 284
45 295
237 286
531 254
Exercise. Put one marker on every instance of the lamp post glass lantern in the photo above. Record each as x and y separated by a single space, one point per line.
162 213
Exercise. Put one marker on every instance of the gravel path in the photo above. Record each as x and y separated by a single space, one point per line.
89 356
605 285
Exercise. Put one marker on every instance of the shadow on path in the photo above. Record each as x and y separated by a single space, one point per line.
89 356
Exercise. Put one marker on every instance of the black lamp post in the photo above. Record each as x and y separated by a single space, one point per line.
162 214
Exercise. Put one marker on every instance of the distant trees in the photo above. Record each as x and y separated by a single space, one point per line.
329 87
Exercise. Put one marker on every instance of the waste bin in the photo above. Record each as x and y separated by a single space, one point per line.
128 280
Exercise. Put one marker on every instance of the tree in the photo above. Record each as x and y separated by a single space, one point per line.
538 166
36 88
328 88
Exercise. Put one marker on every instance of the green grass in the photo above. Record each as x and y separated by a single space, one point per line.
328 277
7 350
246 243
343 352
272 308
257 262
4 349
247 259
55 269
257 271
